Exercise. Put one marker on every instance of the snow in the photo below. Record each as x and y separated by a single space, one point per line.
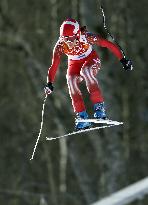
126 195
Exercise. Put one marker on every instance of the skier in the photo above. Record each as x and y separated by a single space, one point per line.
83 64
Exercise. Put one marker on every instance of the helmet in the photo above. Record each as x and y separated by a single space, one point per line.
70 27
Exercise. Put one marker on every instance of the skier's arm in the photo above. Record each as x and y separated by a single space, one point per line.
97 40
57 53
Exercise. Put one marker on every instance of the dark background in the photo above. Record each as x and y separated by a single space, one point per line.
80 169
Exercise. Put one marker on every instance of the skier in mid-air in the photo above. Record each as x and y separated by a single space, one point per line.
83 64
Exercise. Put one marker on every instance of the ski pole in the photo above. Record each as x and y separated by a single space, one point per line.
107 30
41 126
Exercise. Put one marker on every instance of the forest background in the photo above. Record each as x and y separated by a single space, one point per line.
81 169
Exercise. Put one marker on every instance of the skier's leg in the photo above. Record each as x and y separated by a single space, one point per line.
89 74
77 100
75 93
89 71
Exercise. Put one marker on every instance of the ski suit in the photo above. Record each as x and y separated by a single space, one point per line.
83 64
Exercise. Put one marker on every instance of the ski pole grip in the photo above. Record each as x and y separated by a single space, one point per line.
50 86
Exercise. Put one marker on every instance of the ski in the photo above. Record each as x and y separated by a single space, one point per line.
101 121
82 131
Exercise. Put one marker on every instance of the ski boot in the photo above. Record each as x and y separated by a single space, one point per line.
82 125
100 112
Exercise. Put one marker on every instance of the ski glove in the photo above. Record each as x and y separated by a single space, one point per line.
48 88
127 64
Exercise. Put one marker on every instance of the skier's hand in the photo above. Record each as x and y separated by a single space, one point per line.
127 64
48 88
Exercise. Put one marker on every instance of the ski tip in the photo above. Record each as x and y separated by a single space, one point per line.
52 138
118 123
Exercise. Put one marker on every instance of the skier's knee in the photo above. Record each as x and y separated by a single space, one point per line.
73 82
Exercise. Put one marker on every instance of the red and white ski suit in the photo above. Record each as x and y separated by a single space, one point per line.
83 64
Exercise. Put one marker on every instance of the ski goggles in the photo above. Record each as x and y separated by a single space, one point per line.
69 38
